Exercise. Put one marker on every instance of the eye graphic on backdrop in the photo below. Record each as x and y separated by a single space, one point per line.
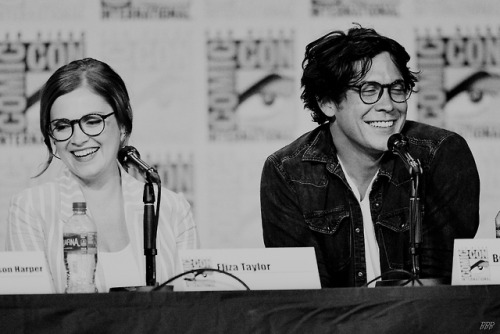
269 88
264 103
476 95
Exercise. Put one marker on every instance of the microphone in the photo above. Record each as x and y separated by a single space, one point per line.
129 155
397 144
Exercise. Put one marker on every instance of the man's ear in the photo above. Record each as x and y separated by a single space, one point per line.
328 107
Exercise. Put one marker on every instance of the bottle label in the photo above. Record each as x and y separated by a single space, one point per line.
84 243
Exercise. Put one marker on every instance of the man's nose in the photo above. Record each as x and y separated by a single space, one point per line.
385 103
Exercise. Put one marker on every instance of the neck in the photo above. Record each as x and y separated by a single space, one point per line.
360 165
107 181
357 160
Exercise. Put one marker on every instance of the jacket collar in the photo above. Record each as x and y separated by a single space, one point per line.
322 149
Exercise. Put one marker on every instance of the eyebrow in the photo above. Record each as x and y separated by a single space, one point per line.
76 119
372 81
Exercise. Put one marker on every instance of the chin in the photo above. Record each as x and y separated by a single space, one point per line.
380 145
86 173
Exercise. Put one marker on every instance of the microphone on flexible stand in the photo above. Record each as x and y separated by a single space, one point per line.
128 155
398 144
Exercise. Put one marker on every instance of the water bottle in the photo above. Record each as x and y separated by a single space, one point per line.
80 251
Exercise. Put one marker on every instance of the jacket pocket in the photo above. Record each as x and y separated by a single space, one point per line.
393 230
333 238
397 220
328 221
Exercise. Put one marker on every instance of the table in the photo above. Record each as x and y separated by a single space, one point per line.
436 309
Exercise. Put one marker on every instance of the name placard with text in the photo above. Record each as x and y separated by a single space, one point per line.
258 268
24 273
476 262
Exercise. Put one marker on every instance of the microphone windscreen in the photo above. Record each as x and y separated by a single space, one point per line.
397 140
124 153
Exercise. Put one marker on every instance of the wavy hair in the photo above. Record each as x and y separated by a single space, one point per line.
337 60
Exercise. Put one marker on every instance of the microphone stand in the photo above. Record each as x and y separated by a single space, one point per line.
149 221
415 219
416 229
415 215
150 218
397 143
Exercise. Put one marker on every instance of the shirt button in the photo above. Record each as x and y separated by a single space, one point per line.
360 274
357 230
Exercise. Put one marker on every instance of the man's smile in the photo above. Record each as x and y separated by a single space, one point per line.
380 124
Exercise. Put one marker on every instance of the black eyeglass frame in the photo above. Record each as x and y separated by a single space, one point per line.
75 121
381 91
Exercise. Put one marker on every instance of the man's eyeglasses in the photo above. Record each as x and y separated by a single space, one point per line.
92 125
371 91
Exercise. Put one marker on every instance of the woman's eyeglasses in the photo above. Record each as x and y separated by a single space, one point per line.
92 125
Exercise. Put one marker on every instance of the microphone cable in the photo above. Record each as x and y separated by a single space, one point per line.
198 272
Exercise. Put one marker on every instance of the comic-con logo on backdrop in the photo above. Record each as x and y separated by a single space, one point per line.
145 9
459 86
24 67
356 8
250 86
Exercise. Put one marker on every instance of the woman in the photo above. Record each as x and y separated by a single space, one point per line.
85 118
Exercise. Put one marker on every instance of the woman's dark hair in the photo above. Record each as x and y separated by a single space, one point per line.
100 78
337 60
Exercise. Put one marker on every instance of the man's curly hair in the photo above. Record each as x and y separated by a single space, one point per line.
338 60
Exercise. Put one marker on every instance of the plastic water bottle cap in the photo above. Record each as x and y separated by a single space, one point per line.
79 205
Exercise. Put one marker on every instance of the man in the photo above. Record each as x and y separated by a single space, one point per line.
338 188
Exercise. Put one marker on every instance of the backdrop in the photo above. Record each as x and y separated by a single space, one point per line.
215 87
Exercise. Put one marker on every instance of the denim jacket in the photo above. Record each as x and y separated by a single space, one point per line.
307 202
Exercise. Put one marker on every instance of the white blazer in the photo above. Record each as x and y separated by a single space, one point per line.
36 217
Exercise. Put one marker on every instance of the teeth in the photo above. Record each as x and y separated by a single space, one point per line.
381 124
85 152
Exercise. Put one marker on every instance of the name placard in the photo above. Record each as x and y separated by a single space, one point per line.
476 262
258 268
24 273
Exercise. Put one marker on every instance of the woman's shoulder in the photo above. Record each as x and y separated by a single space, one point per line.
43 190
48 195
39 199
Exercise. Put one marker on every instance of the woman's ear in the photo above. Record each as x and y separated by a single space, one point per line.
123 137
327 107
